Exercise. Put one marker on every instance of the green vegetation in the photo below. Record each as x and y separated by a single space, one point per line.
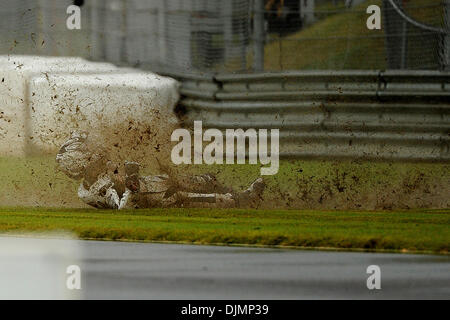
406 231
341 40
301 184
324 185
35 182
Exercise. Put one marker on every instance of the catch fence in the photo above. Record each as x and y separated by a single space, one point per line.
310 68
211 36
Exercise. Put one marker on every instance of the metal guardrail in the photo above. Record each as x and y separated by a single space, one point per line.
398 115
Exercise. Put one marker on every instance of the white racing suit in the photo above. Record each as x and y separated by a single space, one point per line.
153 191
102 186
102 194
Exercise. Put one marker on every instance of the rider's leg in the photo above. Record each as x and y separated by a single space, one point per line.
247 198
215 200
203 183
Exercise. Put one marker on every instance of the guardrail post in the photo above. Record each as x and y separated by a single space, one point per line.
447 36
404 56
162 36
258 35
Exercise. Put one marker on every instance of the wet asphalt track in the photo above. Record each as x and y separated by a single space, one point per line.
113 270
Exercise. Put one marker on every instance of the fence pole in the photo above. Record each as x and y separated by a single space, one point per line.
404 54
258 35
446 36
162 36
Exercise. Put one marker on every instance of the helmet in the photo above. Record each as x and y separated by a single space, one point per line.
74 156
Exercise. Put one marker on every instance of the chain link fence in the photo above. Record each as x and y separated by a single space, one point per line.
210 36
333 35
414 46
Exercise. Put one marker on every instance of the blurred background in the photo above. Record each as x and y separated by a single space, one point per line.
208 36
311 68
